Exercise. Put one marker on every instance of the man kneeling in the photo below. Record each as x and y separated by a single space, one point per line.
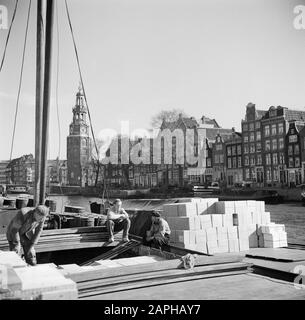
25 229
159 233
117 219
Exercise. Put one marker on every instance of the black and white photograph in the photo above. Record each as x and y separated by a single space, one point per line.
152 152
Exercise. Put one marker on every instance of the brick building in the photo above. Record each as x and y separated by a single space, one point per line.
233 159
252 148
293 153
274 128
21 171
3 169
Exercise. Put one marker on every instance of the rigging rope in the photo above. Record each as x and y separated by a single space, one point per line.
8 35
20 79
82 83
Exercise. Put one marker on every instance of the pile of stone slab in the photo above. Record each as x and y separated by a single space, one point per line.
42 282
211 226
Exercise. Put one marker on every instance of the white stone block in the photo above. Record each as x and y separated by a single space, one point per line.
181 223
187 209
205 221
233 245
170 210
232 232
202 208
217 220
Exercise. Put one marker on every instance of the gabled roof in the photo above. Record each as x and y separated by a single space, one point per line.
297 115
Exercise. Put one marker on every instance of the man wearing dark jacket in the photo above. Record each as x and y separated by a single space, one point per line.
25 229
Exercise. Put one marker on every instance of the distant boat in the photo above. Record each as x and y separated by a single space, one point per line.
17 189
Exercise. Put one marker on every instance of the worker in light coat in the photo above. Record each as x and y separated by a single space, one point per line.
25 229
159 234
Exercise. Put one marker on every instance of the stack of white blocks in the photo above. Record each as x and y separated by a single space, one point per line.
272 236
212 226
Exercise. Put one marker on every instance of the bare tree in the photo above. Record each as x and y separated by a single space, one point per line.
167 115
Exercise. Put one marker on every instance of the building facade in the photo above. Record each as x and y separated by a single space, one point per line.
293 154
252 149
21 171
233 160
79 145
275 125
3 169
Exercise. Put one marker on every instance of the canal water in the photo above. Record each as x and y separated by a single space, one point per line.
291 214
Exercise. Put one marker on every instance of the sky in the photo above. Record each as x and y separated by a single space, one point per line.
138 57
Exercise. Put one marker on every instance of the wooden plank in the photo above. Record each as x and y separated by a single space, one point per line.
277 254
162 265
161 274
157 281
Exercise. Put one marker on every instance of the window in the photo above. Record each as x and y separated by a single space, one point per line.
282 158
218 147
293 138
234 162
274 144
268 174
239 149
246 161
252 148
290 150
258 136
275 175
297 162
267 145
281 128
233 150
251 126
208 162
252 137
267 131
290 164
253 173
259 159
257 125
245 127
229 163
281 143
296 149
258 147
246 149
221 158
247 173
246 139
239 162
273 129
268 159
229 151
252 161
274 158
216 158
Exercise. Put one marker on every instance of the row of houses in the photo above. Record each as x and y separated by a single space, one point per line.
269 151
21 171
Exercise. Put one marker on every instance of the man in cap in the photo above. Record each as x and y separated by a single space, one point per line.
25 229
159 233
117 219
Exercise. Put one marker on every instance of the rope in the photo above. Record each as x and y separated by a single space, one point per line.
8 35
20 79
82 83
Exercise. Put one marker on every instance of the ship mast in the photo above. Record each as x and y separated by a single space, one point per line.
43 81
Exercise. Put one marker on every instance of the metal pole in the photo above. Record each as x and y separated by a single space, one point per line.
39 100
46 98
